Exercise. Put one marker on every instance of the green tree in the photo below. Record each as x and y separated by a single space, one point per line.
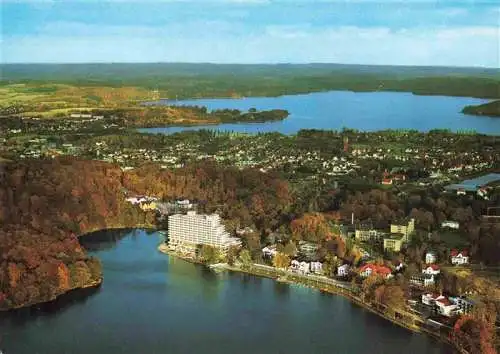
245 259
290 249
208 254
232 255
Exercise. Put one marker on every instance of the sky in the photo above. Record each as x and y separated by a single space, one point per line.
381 32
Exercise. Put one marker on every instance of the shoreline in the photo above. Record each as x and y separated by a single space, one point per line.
326 288
91 285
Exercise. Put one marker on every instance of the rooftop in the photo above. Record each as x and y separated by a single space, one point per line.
474 184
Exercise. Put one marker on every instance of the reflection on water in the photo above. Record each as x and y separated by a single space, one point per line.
52 308
100 241
152 303
367 111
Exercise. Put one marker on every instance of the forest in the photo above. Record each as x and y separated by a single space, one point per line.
157 115
44 206
490 109
218 80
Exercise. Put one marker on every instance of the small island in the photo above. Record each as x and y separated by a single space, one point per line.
490 109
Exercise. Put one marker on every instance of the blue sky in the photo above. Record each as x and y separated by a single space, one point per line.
389 32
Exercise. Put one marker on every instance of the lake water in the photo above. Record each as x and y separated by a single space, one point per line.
152 303
338 109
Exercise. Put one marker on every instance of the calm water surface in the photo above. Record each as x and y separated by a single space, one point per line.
152 303
338 109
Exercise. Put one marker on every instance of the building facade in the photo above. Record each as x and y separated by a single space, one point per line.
186 232
393 243
406 228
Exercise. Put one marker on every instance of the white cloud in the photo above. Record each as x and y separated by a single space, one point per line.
227 42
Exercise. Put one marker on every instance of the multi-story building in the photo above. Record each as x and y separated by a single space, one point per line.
393 242
186 232
367 233
406 228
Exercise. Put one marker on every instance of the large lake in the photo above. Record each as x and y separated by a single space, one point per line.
338 109
152 303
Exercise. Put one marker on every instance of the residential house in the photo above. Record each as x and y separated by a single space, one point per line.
464 305
269 251
398 266
148 205
386 181
300 267
422 280
369 269
343 270
316 267
451 224
308 249
432 269
430 257
430 299
445 307
459 258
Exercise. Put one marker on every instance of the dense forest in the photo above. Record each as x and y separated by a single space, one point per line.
214 80
490 109
44 206
158 115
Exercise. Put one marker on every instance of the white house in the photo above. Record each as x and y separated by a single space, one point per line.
464 305
430 257
423 280
317 267
368 269
446 308
429 299
269 251
432 269
398 266
343 270
300 267
451 224
136 200
459 258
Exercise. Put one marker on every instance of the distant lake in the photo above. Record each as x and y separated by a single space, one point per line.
153 303
359 110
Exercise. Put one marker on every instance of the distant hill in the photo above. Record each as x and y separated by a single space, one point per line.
490 109
226 80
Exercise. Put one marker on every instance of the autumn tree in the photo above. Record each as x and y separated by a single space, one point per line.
370 284
281 260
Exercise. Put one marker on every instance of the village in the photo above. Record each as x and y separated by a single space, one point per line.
302 260
374 158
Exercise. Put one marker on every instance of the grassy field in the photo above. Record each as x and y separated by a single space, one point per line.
51 90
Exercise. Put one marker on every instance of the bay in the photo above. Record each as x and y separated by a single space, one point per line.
366 111
152 303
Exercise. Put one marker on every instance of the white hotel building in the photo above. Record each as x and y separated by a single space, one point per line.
187 231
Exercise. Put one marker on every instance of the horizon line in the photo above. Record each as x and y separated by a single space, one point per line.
249 64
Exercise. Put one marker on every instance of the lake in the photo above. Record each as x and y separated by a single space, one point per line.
153 303
359 110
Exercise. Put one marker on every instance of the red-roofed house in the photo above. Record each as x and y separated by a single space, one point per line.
432 269
430 299
459 258
445 307
369 269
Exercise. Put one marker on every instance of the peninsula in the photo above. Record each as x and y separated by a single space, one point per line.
490 109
